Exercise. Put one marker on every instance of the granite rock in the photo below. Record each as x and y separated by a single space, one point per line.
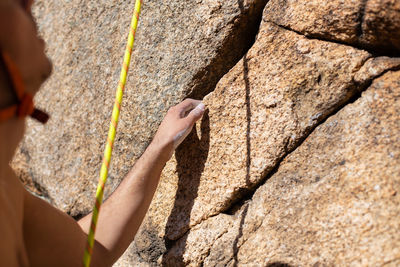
182 49
296 159
372 24
259 112
334 201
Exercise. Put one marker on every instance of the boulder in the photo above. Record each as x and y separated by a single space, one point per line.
182 49
334 201
371 24
260 111
296 160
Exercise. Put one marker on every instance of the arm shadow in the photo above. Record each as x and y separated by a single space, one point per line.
191 157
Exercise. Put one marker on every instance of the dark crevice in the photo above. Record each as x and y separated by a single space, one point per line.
78 216
33 186
210 248
43 191
209 81
374 51
312 36
246 194
243 195
155 248
360 19
363 63
240 234
170 243
206 80
278 264
233 48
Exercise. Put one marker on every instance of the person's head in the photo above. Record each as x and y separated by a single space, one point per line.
25 50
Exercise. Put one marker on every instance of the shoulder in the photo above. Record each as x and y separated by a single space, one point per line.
11 220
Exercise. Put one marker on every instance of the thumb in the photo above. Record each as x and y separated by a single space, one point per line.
196 113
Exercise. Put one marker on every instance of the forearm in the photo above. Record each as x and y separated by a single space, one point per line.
121 215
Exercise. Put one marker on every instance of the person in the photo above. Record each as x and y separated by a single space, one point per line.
34 233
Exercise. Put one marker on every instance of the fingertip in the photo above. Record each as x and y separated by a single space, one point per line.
201 106
198 111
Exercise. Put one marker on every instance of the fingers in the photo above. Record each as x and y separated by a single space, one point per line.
190 111
178 123
196 113
186 106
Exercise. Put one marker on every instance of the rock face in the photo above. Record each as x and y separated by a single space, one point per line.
373 24
331 202
183 48
296 160
259 112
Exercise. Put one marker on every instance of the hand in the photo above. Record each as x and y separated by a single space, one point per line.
177 124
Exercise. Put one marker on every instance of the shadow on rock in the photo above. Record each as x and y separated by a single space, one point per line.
278 264
191 157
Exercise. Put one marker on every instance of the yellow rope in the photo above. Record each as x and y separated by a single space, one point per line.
111 135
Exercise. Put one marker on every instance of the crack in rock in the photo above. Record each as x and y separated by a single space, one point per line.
240 203
240 196
350 102
360 19
364 86
310 36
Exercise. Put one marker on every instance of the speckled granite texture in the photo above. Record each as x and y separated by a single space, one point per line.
296 161
373 24
182 49
334 201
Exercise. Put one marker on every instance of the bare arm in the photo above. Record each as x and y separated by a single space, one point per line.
50 237
122 214
55 239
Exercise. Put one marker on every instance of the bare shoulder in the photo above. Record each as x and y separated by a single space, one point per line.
31 228
34 233
12 248
48 229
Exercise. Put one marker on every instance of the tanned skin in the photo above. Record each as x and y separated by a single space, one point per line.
34 233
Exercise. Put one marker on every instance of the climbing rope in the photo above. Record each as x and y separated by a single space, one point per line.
111 135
